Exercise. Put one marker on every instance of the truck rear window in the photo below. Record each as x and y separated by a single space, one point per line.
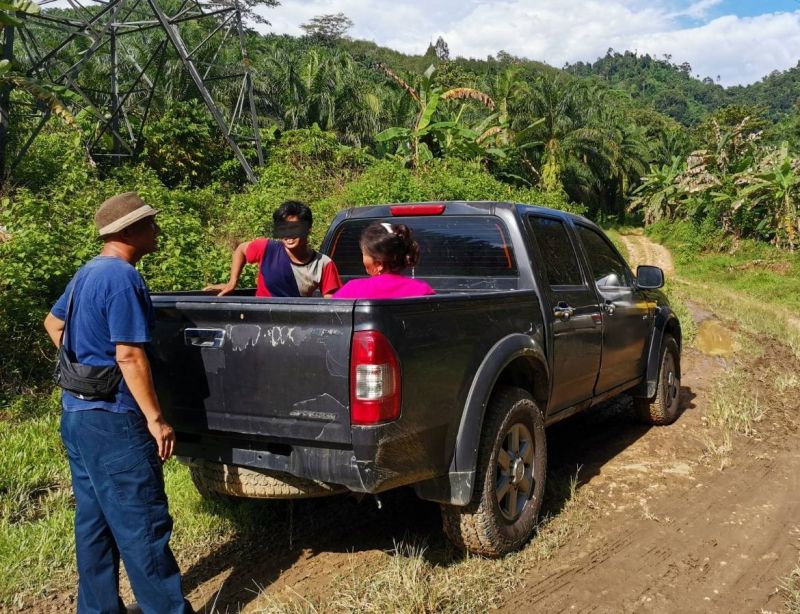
450 246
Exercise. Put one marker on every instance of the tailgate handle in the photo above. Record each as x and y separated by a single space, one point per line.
204 337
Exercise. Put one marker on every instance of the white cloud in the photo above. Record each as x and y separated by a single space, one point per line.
698 10
739 49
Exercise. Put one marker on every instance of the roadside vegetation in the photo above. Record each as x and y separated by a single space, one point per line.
714 174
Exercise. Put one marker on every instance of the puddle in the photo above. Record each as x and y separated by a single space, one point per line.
713 339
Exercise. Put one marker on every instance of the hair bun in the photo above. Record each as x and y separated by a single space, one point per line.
391 244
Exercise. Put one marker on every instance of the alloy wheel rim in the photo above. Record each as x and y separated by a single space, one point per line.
671 382
514 471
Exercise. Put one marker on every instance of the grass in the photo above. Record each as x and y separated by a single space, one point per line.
36 548
408 581
37 552
734 407
790 590
756 285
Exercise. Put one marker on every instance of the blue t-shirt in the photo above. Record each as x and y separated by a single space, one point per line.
110 305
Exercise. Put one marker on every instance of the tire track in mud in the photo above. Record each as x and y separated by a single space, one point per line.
721 549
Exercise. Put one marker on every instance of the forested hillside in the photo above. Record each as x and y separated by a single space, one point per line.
672 89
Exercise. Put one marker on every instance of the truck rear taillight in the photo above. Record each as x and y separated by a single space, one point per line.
374 379
426 209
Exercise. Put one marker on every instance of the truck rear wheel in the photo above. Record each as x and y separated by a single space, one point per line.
664 407
217 480
510 476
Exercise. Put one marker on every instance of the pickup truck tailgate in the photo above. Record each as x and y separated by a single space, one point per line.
276 368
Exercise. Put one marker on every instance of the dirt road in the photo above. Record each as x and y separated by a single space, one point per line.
671 531
642 250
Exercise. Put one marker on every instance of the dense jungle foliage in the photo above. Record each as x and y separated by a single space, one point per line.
346 123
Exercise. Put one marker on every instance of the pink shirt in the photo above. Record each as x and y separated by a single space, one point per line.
387 285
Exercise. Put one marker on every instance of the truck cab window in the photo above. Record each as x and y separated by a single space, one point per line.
560 260
608 269
456 246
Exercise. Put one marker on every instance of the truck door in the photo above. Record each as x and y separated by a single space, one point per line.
574 311
626 313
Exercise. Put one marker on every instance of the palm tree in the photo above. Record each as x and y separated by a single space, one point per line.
323 88
570 147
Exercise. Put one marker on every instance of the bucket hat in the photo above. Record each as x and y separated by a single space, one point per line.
120 211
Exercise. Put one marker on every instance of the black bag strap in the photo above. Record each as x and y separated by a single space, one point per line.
69 309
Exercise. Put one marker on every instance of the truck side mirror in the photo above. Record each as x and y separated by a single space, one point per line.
649 277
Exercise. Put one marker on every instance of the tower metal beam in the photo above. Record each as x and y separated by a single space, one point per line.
134 70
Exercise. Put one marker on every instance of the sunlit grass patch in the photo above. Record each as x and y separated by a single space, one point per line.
677 300
790 590
411 579
734 405
717 453
754 284
36 508
785 382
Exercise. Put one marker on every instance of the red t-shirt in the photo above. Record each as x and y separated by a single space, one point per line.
279 276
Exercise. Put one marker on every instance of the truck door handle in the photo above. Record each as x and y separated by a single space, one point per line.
204 337
609 308
563 311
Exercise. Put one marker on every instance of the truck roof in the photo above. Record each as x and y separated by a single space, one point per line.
455 207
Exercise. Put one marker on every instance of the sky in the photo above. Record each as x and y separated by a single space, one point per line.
734 42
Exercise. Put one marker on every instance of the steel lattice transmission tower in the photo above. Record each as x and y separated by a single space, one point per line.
134 47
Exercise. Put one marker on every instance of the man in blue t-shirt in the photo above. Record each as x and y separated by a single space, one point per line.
116 444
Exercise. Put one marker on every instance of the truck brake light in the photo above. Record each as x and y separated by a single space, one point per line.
428 209
374 379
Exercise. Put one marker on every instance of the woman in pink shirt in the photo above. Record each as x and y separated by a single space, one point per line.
387 249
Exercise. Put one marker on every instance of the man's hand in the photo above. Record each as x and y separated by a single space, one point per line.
135 367
221 289
164 435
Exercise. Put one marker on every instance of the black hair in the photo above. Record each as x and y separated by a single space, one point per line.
390 244
293 207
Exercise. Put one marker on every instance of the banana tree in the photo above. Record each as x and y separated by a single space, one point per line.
774 185
659 193
414 142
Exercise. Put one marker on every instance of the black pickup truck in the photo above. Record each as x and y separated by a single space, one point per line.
536 317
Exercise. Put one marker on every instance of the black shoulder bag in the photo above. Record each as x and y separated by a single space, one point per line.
86 382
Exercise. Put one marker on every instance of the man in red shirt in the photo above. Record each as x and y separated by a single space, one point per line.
287 266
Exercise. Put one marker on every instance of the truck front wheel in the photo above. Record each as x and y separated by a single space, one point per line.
664 407
510 476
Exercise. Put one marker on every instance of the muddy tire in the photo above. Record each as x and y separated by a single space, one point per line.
664 407
220 481
510 476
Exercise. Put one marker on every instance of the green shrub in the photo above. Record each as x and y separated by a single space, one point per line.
51 233
388 182
184 145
